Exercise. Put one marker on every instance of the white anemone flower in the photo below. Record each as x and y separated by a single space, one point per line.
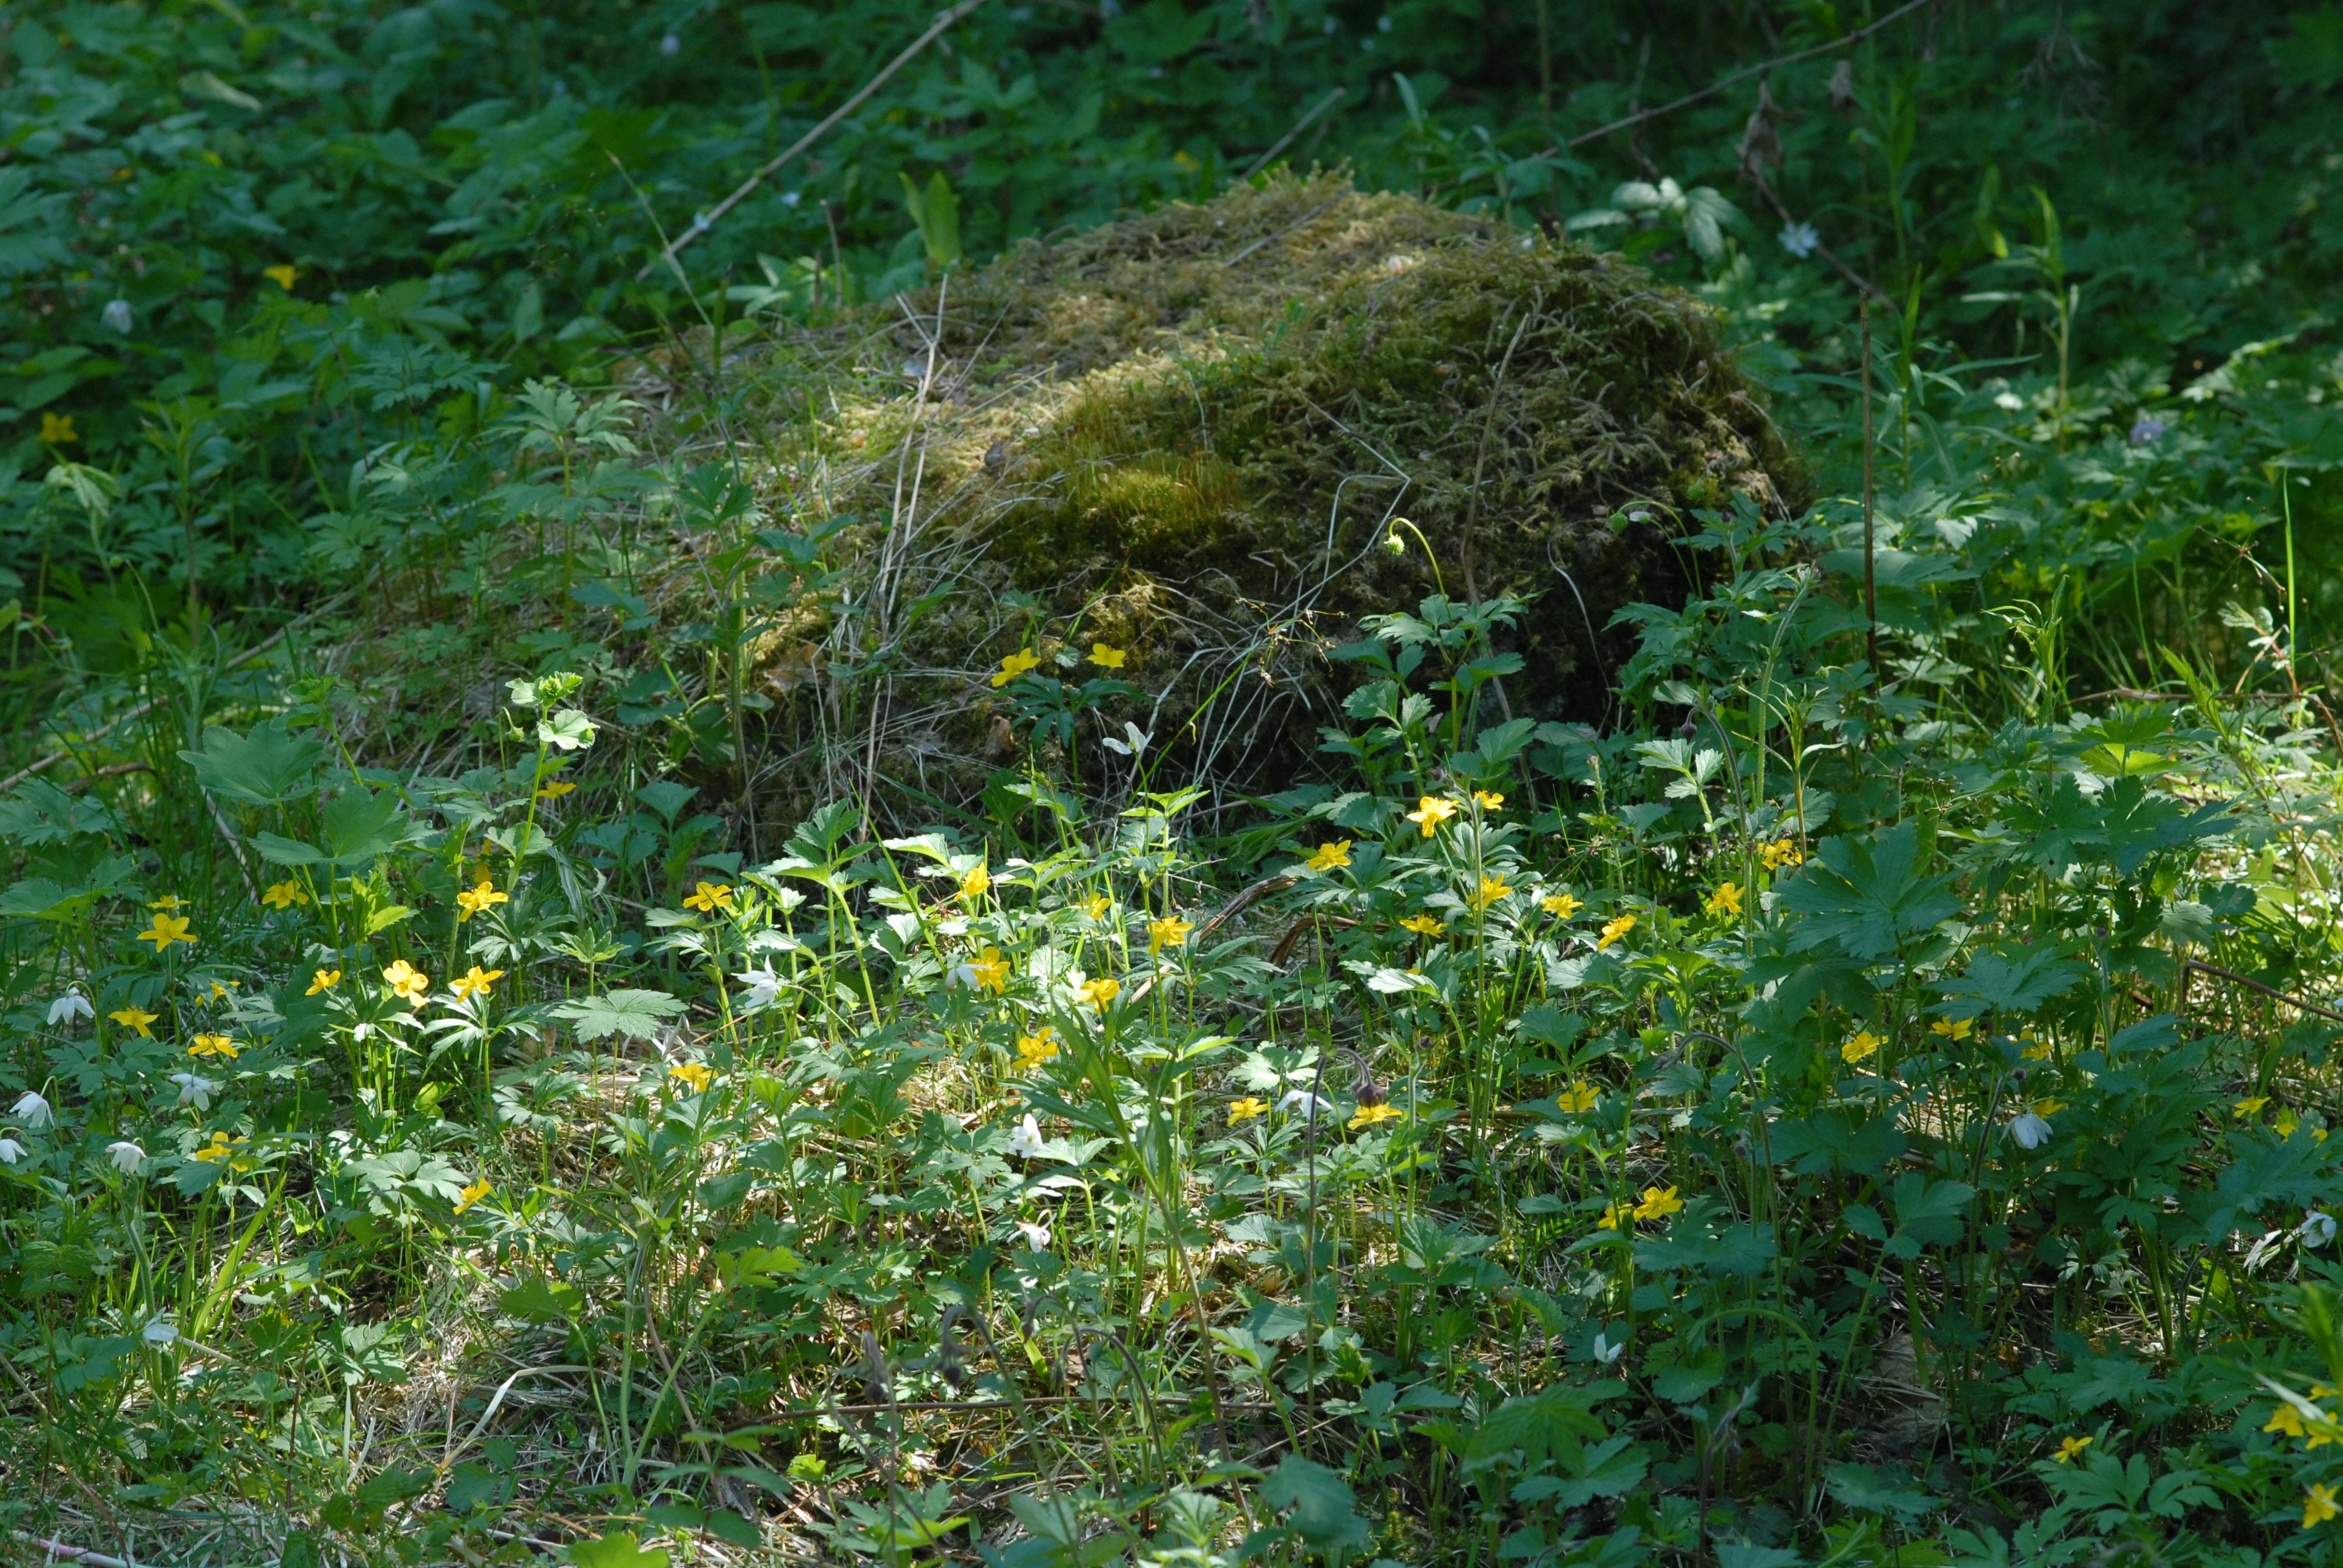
117 315
764 985
1303 1104
32 1112
2318 1228
194 1090
1607 1352
127 1156
2028 1130
1036 1236
10 1151
1026 1141
162 1330
70 1006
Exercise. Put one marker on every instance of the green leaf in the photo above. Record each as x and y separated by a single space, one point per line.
569 729
70 898
267 768
1321 1503
359 825
1868 894
637 1014
1927 1213
2014 978
616 1550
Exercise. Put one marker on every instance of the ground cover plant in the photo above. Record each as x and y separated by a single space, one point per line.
507 1055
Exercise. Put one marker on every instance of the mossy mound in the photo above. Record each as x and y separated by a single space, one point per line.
1187 434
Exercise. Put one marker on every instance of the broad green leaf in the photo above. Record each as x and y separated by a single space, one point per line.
1870 894
267 768
40 813
616 1550
1321 1503
637 1014
569 729
2013 980
68 899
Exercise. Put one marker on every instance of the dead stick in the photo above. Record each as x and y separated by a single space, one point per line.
2234 978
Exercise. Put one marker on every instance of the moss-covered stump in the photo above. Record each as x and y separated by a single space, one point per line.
1189 434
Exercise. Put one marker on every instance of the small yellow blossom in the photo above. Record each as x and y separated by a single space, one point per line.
215 1045
976 884
283 895
1369 1115
1725 900
1658 1203
1614 1216
324 980
709 897
219 990
694 1075
1424 926
167 929
1098 993
1033 1049
57 430
2319 1506
405 981
136 1017
1097 905
555 788
2285 1421
1431 811
1491 889
1780 853
2286 1121
1488 800
473 1194
990 971
1560 906
1107 657
1331 856
1862 1048
1579 1097
2047 1106
2071 1449
475 982
1015 665
171 904
477 900
2036 1050
1613 929
2251 1106
1954 1029
1168 932
1246 1109
222 1147
282 274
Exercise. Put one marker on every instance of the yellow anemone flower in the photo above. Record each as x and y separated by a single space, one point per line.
475 982
695 1075
282 274
2251 1106
990 971
1098 993
1560 906
1168 932
1488 800
1033 1049
1015 665
2071 1449
1246 1109
1725 900
1431 811
1780 853
324 980
1491 889
1613 929
215 1045
405 981
1658 1203
1331 856
2285 1421
976 883
1614 1216
167 929
473 1194
2319 1507
1424 926
135 1017
1865 1045
58 429
1097 905
709 897
478 900
1955 1029
1579 1097
555 788
283 895
1107 657
1369 1115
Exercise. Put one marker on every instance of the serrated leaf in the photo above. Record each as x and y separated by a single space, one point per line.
616 1550
1870 895
637 1014
267 768
1321 1503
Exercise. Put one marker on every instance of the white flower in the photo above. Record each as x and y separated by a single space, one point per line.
1800 240
2008 401
1136 746
1036 1236
32 1112
125 1156
792 198
10 1151
764 985
962 975
195 1091
1303 1104
2028 1130
71 1005
117 314
1607 1352
161 1331
670 45
1026 1141
2317 1228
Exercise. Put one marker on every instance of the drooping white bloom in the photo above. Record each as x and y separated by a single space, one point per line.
1303 1104
162 1330
1607 1352
764 985
1036 1236
32 1112
2145 430
670 45
194 1090
1800 240
117 314
1026 1141
10 1151
2317 1228
70 1006
127 1156
2028 1130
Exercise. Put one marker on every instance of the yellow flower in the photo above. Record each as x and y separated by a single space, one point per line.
1107 657
1246 1109
1658 1203
282 274
1329 856
475 982
1491 889
2286 1122
695 1075
1560 906
477 900
59 431
1616 1215
2036 1050
324 980
1033 1049
473 1194
173 904
1424 926
1369 1115
555 788
1488 800
219 990
2319 1507
1168 932
222 1147
1725 900
1783 852
1613 929
136 1017
1579 1098
2071 1449
1864 1046
1431 811
1015 665
2285 1421
1958 1028
1097 905
2250 1107
709 897
992 971
213 1045
2047 1106
405 981
167 929
1098 993
283 895
976 884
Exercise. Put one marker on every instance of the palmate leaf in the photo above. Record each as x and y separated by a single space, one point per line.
2012 979
1868 895
266 768
638 1014
1322 1502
